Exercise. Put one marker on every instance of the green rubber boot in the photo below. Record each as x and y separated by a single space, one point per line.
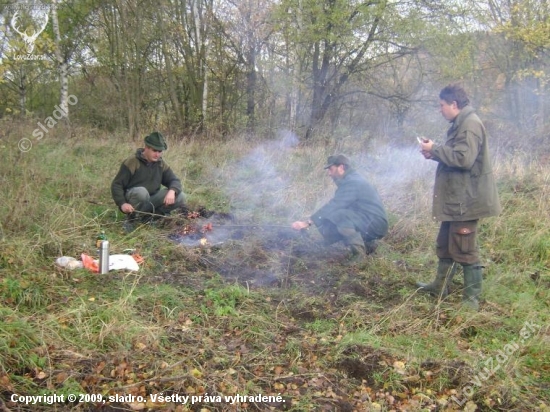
354 241
473 278
446 269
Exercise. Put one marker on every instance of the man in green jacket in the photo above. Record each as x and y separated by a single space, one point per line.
355 215
464 192
137 188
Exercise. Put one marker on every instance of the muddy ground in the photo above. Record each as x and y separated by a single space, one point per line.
274 256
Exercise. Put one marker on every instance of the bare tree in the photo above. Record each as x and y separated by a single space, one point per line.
337 41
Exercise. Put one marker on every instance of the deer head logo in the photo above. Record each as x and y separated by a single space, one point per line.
29 39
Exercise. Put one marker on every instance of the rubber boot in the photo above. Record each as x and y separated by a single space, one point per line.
371 247
446 269
146 212
354 240
370 244
130 223
473 279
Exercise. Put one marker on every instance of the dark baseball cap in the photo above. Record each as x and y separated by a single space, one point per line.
336 160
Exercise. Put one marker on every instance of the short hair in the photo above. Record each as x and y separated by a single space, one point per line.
454 93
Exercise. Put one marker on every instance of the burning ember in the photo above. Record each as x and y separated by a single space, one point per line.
272 248
213 229
198 234
193 215
190 229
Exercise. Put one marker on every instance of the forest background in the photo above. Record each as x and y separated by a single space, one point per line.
333 69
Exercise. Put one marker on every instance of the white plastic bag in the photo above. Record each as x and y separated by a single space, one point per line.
119 262
68 262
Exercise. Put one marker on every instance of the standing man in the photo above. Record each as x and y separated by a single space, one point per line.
464 192
355 215
137 186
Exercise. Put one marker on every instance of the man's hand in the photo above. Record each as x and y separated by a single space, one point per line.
299 225
170 198
426 145
426 154
426 148
127 208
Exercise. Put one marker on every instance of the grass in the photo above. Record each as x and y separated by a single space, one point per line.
264 312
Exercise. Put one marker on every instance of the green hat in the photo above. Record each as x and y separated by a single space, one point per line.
336 160
156 141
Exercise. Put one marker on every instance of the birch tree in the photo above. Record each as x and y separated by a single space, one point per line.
62 64
192 19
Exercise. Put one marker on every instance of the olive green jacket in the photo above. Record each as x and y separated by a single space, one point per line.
357 201
136 171
465 187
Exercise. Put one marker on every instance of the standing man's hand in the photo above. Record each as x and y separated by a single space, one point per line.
299 225
426 148
127 208
170 198
426 154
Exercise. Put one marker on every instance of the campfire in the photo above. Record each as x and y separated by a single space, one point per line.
201 233
254 254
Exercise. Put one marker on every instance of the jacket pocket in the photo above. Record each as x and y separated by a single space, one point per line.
453 209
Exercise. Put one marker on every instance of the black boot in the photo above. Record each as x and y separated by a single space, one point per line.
371 247
446 269
370 244
130 223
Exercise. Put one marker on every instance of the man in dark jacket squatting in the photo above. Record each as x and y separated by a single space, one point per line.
136 189
355 215
464 192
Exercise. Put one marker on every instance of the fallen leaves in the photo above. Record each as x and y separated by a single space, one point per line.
40 374
61 377
399 367
5 383
137 406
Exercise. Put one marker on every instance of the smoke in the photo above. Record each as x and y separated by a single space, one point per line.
403 178
268 183
258 183
263 185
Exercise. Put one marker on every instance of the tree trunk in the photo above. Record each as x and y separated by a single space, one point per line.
61 63
22 88
250 89
205 93
171 81
321 99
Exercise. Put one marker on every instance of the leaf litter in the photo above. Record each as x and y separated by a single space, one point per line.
227 342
